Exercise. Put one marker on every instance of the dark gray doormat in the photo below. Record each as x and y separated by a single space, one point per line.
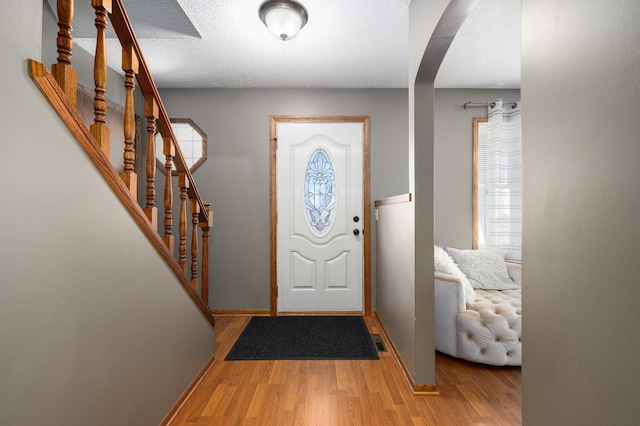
304 337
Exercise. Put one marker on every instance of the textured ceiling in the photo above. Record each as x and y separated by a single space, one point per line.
345 44
486 50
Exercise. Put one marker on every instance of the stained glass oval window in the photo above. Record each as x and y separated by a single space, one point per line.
320 193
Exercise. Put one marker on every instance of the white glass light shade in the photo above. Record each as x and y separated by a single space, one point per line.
283 18
285 24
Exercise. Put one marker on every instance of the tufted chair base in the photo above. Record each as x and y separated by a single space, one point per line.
486 330
489 330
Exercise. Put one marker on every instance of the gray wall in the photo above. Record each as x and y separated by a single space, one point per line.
423 18
581 140
396 286
94 328
235 178
453 150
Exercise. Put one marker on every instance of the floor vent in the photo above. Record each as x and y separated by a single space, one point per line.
377 341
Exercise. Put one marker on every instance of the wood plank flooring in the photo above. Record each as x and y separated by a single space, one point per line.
346 392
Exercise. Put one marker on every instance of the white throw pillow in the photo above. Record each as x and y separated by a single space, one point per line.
443 262
485 269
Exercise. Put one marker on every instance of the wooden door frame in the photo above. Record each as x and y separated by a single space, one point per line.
366 196
474 172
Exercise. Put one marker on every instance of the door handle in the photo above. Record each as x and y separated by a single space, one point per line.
356 232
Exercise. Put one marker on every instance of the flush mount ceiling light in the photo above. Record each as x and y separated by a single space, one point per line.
283 18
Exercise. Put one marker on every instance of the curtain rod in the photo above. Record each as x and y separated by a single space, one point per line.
491 104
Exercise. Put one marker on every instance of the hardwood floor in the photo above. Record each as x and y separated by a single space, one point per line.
346 392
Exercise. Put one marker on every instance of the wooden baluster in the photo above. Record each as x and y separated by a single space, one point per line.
99 129
195 212
63 72
130 68
169 152
183 183
206 227
151 112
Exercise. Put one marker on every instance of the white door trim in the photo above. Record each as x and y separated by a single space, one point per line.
366 196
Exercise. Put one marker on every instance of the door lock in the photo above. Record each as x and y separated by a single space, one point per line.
356 219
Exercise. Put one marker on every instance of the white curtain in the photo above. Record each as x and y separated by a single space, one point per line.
504 179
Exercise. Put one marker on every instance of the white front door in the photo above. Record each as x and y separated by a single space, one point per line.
319 216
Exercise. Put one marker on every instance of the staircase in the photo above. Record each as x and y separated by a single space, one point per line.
59 86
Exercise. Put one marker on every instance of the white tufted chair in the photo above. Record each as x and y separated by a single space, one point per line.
486 330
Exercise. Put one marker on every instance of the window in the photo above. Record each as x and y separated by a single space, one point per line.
192 140
497 180
320 193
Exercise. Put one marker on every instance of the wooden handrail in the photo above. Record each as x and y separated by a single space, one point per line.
124 30
60 103
60 87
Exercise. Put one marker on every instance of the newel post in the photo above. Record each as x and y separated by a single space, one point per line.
206 227
130 68
99 129
151 112
63 72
